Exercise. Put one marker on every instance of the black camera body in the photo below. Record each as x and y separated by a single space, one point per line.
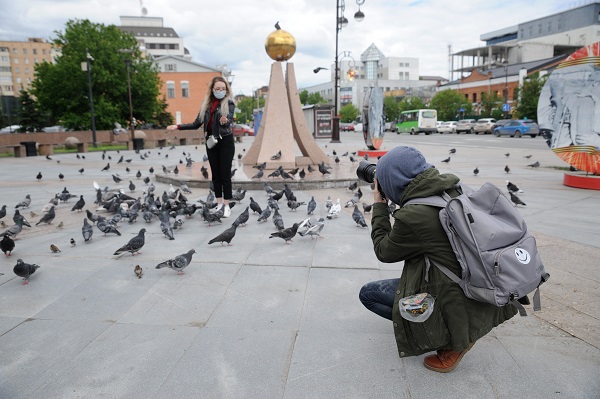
366 172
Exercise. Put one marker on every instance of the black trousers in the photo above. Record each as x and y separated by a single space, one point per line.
220 158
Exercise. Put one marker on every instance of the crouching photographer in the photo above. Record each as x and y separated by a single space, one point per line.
429 311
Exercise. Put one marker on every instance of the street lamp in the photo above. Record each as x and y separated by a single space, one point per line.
87 66
504 62
128 65
340 22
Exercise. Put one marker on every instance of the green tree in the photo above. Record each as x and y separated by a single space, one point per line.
31 119
164 117
304 97
247 105
391 109
410 103
348 113
528 96
61 89
316 98
448 102
490 103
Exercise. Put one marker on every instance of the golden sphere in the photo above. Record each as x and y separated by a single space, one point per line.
280 45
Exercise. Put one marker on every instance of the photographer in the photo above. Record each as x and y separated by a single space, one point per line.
456 321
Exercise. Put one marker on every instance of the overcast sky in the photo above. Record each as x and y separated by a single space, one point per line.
233 32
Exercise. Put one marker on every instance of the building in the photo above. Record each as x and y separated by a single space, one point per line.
154 37
17 63
397 75
185 84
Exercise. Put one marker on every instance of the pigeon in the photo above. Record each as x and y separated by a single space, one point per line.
131 186
323 169
3 211
447 160
14 230
225 236
25 270
81 170
104 226
507 154
293 205
516 200
534 165
264 214
39 176
476 171
278 220
54 248
243 217
513 187
137 270
204 172
73 243
25 203
334 210
528 156
353 186
239 195
7 245
87 231
120 160
117 179
452 151
302 174
61 176
507 169
310 169
354 200
165 225
48 217
315 229
254 206
134 245
367 207
79 204
312 205
276 156
358 217
18 217
60 225
286 234
107 167
138 174
146 180
179 262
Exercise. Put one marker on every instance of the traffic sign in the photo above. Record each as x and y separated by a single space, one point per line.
461 110
505 107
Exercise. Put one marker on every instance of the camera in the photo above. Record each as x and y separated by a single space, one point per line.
366 173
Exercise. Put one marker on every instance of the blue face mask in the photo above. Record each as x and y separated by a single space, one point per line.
219 95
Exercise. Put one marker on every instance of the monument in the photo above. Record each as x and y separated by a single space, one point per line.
283 125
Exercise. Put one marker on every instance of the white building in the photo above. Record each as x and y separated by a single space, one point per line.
151 34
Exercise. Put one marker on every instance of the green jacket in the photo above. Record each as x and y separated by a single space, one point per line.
456 320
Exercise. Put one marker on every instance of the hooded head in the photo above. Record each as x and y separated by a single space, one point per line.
397 168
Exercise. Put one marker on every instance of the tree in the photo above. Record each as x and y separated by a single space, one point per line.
391 109
304 97
528 96
410 103
31 119
448 102
311 98
348 113
164 117
61 89
246 106
490 103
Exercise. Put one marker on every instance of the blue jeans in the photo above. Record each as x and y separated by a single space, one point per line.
378 296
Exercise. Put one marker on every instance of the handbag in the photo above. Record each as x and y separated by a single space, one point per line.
211 141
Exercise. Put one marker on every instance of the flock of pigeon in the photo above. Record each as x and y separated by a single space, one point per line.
113 206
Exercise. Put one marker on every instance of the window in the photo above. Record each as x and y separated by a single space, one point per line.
34 51
549 26
15 51
44 51
17 70
4 58
531 30
170 67
27 60
559 23
185 89
16 60
474 97
24 51
19 80
162 46
401 64
4 69
407 64
35 61
170 89
539 29
407 76
28 80
27 71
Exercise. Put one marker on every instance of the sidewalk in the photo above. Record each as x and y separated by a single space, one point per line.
262 319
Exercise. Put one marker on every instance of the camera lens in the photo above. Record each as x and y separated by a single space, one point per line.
366 171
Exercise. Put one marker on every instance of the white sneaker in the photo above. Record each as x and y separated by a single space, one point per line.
226 211
216 208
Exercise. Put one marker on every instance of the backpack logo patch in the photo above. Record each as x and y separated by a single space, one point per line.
522 256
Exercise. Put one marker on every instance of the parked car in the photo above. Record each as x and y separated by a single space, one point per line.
10 129
242 130
54 129
466 125
347 127
518 128
485 125
358 127
447 127
502 122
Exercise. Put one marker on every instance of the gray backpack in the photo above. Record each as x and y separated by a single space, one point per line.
498 256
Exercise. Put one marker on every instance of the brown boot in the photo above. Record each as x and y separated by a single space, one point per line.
445 360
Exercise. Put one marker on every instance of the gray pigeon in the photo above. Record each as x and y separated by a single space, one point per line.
286 234
264 215
24 270
87 231
18 217
254 206
225 236
3 211
25 203
131 186
48 217
243 217
134 245
165 225
14 230
179 262
312 205
516 200
358 217
79 204
278 220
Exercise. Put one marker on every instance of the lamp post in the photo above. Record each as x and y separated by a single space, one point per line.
87 66
340 22
128 66
504 62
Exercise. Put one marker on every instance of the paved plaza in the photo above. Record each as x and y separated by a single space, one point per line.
265 319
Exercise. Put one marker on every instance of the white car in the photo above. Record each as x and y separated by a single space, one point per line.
447 127
9 129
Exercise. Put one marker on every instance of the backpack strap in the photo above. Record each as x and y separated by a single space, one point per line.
443 269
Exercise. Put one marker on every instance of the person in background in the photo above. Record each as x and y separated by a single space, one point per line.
456 321
216 115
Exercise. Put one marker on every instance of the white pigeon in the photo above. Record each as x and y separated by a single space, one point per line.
315 229
334 210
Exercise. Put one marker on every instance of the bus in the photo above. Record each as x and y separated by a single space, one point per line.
417 121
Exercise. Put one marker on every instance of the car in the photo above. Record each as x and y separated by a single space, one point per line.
447 127
54 129
358 127
518 128
466 125
502 122
347 127
10 129
485 125
242 130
